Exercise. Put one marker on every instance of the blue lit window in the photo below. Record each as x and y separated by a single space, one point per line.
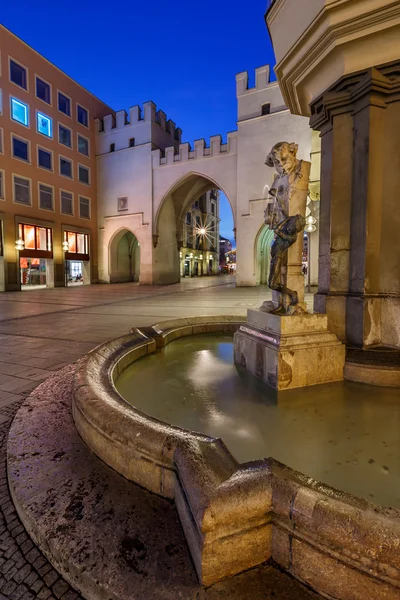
44 125
19 111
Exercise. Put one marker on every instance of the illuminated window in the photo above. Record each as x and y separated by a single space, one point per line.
64 104
45 159
19 111
83 174
45 197
17 74
82 115
42 90
78 242
35 238
44 125
67 204
84 207
22 190
65 167
83 145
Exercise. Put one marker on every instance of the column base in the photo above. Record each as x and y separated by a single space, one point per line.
289 351
379 366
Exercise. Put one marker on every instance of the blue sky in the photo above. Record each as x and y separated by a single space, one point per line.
182 55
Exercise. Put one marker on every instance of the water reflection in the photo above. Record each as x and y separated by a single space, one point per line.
344 434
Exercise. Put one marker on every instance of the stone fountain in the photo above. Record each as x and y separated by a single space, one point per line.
281 343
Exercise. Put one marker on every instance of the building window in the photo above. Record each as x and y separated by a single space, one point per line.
112 147
45 197
78 242
1 141
64 104
18 74
22 190
64 136
2 186
84 207
43 90
1 102
19 111
213 208
20 149
65 167
122 203
44 125
82 115
188 218
266 109
131 142
83 145
45 159
83 174
36 238
67 203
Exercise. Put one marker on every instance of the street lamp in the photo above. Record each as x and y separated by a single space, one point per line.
65 247
19 246
309 229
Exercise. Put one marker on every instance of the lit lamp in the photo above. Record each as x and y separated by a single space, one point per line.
310 228
65 247
19 246
202 231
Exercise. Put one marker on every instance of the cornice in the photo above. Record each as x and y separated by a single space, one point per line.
313 56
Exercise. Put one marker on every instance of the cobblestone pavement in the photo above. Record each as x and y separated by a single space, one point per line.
44 330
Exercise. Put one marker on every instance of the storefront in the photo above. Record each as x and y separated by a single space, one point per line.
35 256
77 258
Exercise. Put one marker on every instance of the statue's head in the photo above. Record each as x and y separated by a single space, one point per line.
283 157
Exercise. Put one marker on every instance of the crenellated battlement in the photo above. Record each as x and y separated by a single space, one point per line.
200 150
137 117
262 81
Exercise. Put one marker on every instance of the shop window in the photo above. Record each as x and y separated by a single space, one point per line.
65 167
65 136
84 207
19 112
1 141
44 125
64 104
83 174
35 238
2 186
82 115
43 90
45 159
45 197
83 145
78 242
18 74
20 149
22 190
67 204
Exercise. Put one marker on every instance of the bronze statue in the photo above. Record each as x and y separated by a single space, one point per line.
283 216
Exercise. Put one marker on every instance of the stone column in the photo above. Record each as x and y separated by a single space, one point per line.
359 262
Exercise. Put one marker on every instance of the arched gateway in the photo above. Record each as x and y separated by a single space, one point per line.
147 179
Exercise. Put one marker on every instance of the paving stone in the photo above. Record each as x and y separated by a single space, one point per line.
60 588
26 546
22 573
39 562
10 574
45 569
8 588
44 594
31 578
8 565
51 577
37 585
32 555
19 592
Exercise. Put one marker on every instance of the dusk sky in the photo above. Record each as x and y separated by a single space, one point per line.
182 55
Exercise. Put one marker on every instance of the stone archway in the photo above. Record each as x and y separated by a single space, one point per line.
124 257
169 223
264 240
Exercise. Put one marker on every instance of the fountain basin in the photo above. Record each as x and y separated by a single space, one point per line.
235 516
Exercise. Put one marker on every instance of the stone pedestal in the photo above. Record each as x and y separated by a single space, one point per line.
289 351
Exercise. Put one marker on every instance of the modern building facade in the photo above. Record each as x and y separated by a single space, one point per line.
199 251
47 172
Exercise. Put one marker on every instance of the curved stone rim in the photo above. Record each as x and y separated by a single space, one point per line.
234 516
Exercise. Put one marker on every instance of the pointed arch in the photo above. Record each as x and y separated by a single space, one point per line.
124 256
